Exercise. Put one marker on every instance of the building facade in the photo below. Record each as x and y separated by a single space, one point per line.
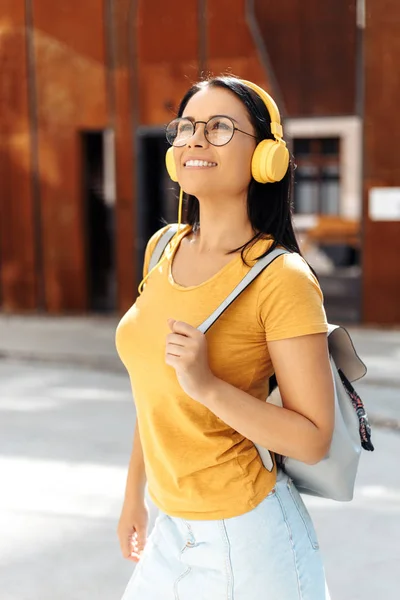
85 91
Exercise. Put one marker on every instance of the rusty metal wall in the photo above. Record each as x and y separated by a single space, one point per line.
18 273
312 48
73 67
381 244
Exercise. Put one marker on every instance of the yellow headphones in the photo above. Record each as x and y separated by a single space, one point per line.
271 157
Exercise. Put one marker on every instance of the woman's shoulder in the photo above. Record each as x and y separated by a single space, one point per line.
150 247
290 300
287 267
292 266
289 276
153 241
157 235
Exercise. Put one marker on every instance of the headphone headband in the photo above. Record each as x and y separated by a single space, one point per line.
276 126
271 159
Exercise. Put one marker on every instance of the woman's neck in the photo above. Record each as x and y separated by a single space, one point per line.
222 227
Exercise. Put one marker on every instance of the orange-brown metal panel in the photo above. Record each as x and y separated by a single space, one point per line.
168 61
71 96
168 31
17 254
231 45
123 35
312 47
381 264
79 26
156 59
169 51
126 197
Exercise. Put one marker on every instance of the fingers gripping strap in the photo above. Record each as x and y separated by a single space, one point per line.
161 245
260 265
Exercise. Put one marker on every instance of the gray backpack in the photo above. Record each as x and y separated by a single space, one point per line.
334 476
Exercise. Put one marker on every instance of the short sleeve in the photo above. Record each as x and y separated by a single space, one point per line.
151 244
290 301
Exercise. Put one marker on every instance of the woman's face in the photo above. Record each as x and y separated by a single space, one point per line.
231 174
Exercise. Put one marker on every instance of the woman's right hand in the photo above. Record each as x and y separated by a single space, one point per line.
132 529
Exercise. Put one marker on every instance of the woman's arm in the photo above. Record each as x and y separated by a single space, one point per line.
136 479
303 428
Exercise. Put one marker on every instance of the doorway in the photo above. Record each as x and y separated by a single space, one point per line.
98 151
157 195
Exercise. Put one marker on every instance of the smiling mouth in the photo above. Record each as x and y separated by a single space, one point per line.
199 164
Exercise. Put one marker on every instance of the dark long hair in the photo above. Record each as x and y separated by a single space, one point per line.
269 206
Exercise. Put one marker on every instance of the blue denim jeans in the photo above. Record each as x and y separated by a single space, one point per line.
268 553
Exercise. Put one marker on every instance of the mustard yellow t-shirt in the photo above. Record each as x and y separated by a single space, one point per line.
197 466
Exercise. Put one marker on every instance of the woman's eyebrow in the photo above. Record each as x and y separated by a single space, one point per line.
211 117
229 117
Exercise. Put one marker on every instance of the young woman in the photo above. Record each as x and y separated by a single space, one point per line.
228 527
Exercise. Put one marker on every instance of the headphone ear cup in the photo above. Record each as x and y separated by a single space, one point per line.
170 164
270 161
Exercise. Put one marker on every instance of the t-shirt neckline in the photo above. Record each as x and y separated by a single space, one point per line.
171 257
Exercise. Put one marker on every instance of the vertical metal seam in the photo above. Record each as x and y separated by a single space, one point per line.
132 26
133 71
111 61
34 151
360 76
203 37
109 32
254 28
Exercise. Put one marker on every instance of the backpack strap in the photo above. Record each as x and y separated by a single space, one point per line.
161 245
254 272
340 344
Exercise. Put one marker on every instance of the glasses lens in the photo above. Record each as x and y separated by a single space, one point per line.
179 131
219 131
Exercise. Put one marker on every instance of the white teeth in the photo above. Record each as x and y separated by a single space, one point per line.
200 163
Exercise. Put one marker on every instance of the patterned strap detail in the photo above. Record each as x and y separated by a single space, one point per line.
365 428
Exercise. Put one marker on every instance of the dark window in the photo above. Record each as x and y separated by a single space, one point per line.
317 177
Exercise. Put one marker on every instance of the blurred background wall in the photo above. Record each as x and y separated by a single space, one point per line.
87 87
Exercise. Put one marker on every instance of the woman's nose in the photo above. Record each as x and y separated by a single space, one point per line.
198 138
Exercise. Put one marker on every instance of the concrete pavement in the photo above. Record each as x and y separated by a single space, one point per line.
65 440
89 341
66 425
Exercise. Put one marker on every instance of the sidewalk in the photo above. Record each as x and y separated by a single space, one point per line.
88 341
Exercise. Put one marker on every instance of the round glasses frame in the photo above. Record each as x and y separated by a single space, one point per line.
205 123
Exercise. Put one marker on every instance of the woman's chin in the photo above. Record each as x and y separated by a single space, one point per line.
196 189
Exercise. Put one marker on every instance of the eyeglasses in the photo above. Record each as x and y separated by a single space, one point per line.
218 130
